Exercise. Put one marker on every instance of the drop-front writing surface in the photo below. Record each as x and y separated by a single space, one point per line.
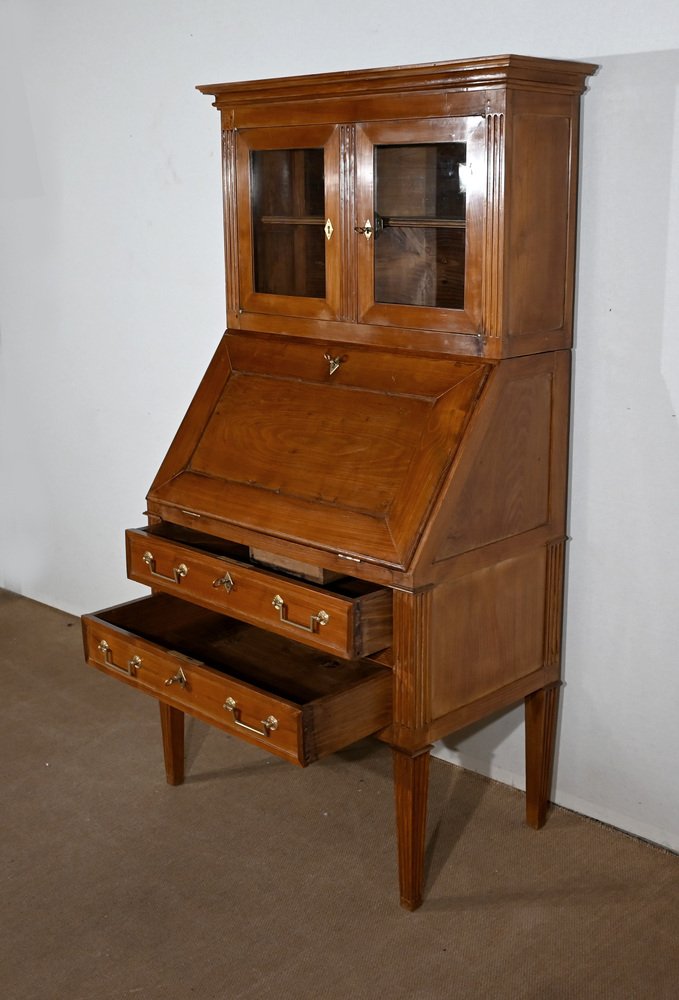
368 491
349 462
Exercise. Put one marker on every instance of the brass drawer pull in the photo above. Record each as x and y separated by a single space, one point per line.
225 581
321 618
268 725
133 664
177 573
179 678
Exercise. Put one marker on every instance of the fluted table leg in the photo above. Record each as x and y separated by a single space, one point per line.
172 727
411 782
540 714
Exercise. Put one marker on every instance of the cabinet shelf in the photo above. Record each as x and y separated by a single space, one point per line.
401 222
291 220
420 222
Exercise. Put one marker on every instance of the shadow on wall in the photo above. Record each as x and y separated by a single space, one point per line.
19 171
623 583
628 244
478 746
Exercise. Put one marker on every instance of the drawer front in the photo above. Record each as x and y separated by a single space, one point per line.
117 642
346 626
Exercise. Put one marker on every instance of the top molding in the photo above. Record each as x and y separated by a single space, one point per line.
513 71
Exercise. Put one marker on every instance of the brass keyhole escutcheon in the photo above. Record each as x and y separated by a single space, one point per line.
179 678
225 581
333 363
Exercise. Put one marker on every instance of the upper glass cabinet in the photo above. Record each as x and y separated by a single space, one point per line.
288 222
420 205
419 208
386 231
420 221
288 197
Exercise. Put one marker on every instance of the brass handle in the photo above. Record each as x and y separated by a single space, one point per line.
179 678
321 618
177 573
328 229
133 664
268 725
225 581
366 230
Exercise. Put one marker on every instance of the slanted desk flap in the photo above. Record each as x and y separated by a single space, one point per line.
348 460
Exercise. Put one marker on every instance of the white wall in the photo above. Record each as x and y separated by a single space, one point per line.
111 305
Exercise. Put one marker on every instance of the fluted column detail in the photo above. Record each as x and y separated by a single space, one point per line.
412 653
348 290
493 279
230 221
554 585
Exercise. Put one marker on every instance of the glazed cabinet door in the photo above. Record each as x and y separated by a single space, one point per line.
420 194
288 217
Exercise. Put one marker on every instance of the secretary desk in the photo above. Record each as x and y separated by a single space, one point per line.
359 527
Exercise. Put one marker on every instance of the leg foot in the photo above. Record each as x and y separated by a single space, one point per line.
411 782
540 713
172 727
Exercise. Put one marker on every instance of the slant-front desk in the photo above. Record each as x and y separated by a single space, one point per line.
359 527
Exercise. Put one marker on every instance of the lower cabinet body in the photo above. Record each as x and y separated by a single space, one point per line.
301 701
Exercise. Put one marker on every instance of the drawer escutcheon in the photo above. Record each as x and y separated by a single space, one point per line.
179 678
225 581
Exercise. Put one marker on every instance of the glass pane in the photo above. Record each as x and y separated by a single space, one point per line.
288 216
420 211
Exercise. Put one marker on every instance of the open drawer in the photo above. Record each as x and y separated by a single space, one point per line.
347 617
294 701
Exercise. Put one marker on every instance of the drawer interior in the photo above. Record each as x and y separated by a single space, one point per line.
344 586
271 662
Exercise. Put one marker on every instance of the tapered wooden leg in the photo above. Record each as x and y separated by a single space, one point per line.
540 708
411 782
172 727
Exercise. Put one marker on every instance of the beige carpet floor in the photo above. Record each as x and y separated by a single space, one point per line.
256 879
